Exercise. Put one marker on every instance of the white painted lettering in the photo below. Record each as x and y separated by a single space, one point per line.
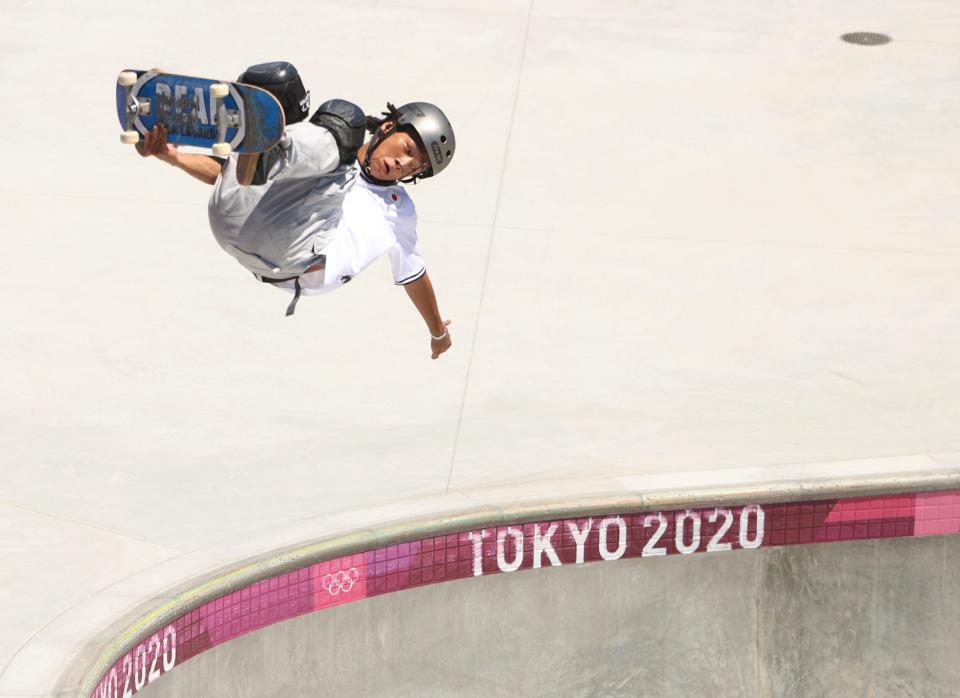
140 667
580 537
155 646
169 648
502 563
199 106
680 532
745 541
651 549
715 545
542 544
605 551
127 674
213 110
477 540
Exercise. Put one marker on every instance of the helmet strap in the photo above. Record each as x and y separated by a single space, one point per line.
378 136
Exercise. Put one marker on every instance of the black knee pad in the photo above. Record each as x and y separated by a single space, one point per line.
281 80
348 124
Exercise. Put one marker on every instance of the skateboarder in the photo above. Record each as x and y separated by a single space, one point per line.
319 208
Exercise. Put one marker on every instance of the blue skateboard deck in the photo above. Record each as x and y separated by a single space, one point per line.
194 116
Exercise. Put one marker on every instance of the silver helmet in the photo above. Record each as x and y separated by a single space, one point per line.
434 130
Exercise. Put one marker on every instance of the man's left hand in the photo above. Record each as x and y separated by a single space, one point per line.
438 346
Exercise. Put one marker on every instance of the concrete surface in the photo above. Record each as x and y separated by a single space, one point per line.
680 242
875 618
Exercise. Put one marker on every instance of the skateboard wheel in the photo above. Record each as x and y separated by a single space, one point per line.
127 78
219 90
129 137
222 149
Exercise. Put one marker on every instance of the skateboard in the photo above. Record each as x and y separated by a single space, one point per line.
224 116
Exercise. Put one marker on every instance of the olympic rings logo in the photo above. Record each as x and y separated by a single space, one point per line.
333 584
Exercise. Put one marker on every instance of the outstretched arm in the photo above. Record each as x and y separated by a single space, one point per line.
202 167
422 295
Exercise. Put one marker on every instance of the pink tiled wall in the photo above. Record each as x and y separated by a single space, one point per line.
506 549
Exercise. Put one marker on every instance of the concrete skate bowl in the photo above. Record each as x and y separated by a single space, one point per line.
787 590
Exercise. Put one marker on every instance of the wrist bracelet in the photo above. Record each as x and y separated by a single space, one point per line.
441 337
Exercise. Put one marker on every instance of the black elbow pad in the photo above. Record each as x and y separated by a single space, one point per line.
347 122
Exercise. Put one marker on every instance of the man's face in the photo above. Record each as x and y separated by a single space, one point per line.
397 157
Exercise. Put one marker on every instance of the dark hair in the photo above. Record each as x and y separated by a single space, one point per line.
373 123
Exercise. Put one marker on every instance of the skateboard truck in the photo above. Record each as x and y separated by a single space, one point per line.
126 80
221 148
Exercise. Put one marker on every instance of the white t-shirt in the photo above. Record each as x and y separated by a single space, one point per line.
376 220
